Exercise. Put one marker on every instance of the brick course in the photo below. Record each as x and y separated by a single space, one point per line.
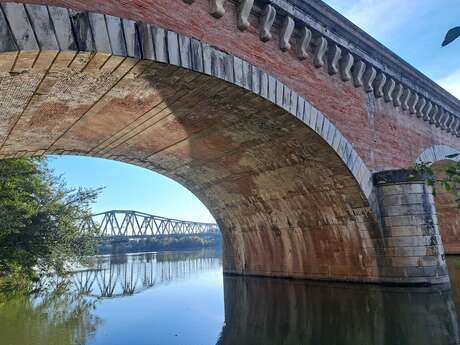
292 200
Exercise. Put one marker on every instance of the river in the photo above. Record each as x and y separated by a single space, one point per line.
182 298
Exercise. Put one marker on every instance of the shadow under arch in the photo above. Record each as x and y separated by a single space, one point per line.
448 213
291 199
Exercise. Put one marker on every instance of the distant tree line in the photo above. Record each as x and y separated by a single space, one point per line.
163 244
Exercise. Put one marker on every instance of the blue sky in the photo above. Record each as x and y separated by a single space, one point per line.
414 29
129 187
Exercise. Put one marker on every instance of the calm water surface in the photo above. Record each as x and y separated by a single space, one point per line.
182 298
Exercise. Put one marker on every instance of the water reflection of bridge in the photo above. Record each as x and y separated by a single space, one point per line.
125 275
277 311
269 311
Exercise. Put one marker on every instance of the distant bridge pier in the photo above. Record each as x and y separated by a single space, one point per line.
119 246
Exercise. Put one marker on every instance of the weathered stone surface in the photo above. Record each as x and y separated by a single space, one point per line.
358 72
266 23
398 92
167 99
334 57
388 90
410 228
272 60
379 84
345 67
303 43
216 8
20 26
369 77
413 103
286 33
243 14
320 52
268 181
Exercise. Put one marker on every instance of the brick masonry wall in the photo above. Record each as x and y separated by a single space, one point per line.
387 137
448 212
286 202
283 198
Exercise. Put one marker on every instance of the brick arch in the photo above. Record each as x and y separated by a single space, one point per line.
291 195
291 199
437 153
143 41
448 213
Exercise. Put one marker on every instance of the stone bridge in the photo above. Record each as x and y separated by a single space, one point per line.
287 121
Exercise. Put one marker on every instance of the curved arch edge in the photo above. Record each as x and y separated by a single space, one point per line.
145 41
437 153
160 45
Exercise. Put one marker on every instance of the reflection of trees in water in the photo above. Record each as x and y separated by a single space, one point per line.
275 312
62 314
56 316
125 275
257 311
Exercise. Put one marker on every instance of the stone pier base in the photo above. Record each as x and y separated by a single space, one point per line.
413 249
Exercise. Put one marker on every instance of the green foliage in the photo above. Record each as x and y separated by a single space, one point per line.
165 243
451 36
15 283
450 182
56 315
40 219
457 264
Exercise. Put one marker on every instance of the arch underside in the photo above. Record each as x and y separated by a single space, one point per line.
291 195
285 201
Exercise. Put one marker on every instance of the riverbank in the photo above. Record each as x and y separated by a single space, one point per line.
161 244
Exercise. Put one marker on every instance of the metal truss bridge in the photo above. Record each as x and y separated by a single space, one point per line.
119 225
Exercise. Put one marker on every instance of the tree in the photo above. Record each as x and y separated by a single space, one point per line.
450 180
40 219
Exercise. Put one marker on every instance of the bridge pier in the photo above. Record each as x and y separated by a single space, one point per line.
283 163
411 242
119 247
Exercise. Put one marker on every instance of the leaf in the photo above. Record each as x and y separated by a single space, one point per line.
447 186
451 171
453 155
451 36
